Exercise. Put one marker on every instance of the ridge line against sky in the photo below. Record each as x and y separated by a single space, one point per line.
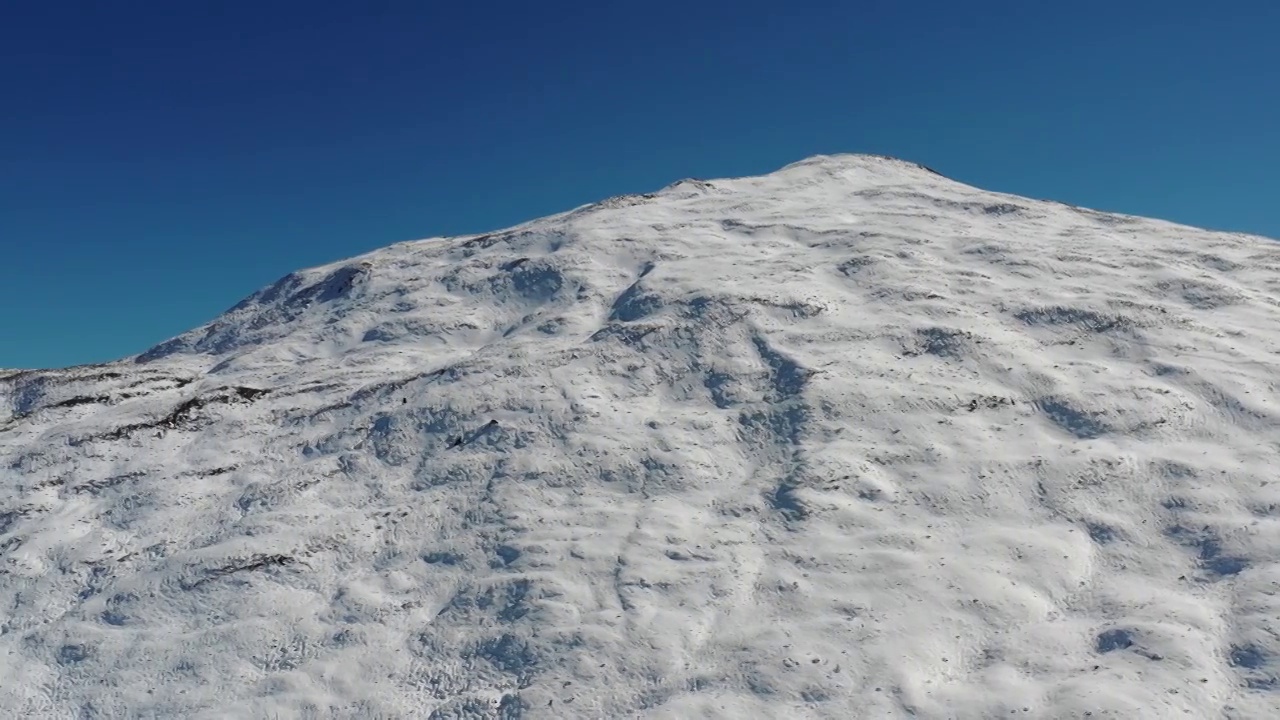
162 161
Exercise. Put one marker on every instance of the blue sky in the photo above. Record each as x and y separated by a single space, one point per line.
161 160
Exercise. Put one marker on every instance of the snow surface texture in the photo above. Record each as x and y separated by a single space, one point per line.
849 440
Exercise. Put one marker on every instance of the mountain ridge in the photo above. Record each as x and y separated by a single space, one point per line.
826 163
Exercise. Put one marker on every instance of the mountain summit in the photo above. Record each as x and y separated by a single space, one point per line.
848 440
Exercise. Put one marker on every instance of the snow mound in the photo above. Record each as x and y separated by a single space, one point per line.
846 440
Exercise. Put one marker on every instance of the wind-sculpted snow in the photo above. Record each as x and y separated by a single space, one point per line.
850 440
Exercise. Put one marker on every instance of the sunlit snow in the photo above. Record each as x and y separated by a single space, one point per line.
849 440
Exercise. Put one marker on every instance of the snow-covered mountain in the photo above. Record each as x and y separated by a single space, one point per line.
849 440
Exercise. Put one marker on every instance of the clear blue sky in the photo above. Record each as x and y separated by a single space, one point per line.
160 160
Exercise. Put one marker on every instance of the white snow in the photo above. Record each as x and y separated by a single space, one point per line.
849 440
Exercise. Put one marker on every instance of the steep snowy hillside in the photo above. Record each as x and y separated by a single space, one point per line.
849 440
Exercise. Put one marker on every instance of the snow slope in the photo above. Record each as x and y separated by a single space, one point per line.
849 440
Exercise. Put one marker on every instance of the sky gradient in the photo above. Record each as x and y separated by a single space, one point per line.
159 161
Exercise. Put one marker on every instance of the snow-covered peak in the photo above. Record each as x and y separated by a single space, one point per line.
845 440
883 165
395 293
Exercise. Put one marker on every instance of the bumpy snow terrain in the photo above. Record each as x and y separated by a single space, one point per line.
849 440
